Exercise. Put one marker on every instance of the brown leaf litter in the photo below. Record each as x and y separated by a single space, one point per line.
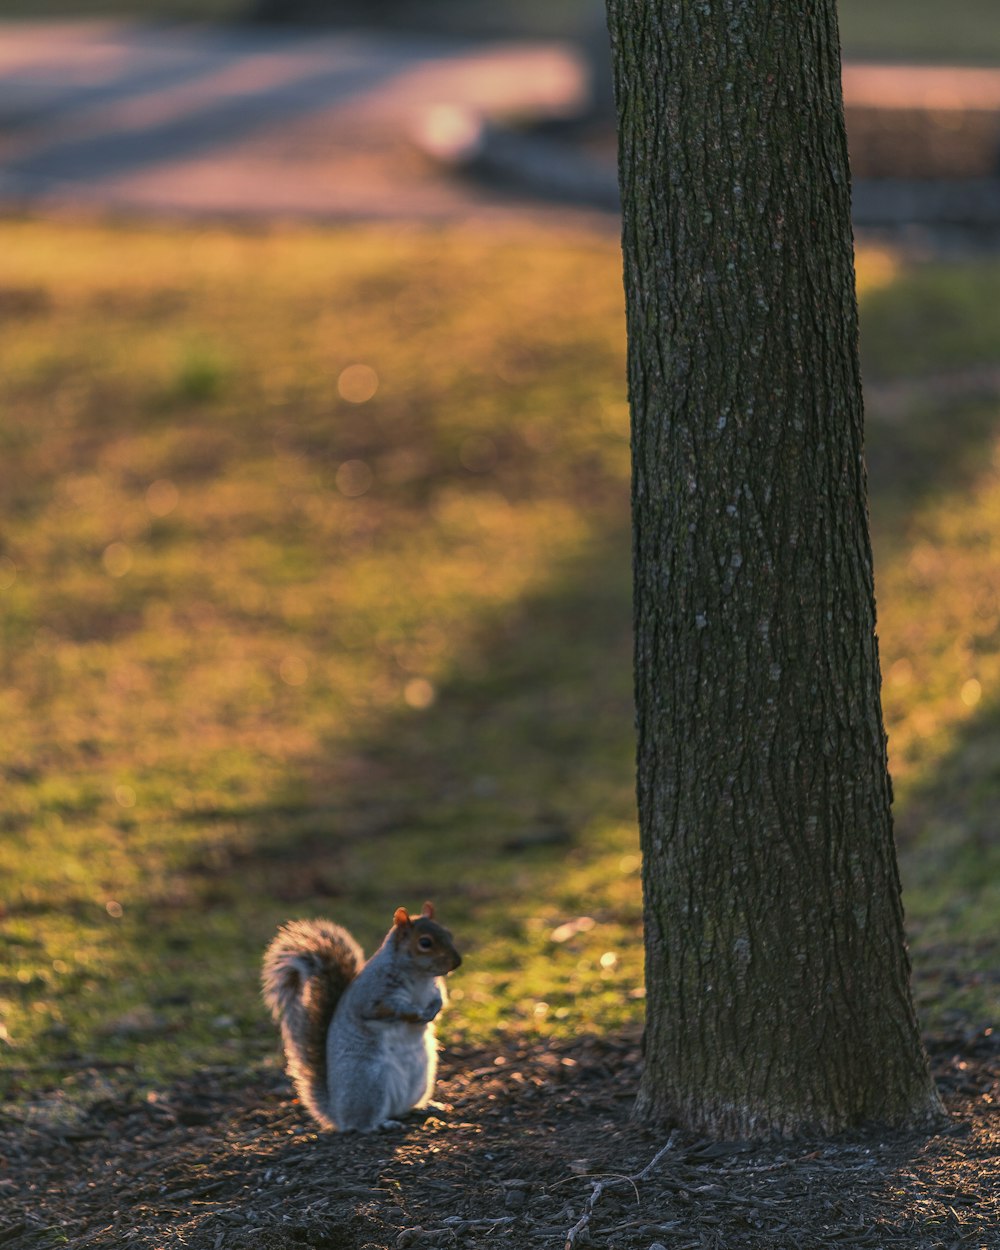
531 1146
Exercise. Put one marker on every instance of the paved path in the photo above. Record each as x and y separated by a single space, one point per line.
942 87
174 119
235 121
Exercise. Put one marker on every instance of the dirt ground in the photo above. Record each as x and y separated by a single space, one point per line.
531 1145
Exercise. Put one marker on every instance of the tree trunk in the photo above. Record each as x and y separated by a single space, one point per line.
777 977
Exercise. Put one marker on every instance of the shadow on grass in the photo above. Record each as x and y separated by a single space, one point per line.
934 490
501 785
508 801
921 456
949 837
509 798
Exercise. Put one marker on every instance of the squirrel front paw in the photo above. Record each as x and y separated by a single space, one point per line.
431 1010
385 1011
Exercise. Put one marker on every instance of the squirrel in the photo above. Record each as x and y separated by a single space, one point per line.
359 1037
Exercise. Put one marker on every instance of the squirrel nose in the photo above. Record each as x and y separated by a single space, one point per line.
458 960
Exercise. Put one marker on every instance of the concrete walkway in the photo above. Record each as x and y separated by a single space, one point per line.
116 116
119 116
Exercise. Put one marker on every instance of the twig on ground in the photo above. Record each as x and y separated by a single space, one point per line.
599 1186
644 1175
455 1223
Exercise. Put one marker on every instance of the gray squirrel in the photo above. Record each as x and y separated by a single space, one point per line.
359 1037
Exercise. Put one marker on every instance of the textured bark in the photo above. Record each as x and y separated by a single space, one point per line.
777 977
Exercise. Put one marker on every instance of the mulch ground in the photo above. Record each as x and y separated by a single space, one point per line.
531 1146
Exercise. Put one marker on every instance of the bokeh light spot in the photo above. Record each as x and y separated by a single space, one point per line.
124 796
162 497
419 693
971 692
357 383
450 132
354 478
563 932
117 559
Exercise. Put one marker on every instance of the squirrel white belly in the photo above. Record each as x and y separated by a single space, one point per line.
359 1037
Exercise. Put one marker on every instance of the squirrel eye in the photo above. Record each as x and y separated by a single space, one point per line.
425 943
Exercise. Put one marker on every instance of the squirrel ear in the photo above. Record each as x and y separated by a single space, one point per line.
400 917
428 911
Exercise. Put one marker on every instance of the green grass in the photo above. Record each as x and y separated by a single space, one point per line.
267 649
922 31
285 636
947 321
935 487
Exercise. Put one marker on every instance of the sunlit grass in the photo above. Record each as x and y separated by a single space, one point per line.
314 579
270 501
941 621
876 268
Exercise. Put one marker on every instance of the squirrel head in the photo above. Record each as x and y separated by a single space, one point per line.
429 944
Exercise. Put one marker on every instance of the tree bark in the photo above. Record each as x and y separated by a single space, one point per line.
778 992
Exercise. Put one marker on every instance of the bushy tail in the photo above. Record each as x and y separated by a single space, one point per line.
306 968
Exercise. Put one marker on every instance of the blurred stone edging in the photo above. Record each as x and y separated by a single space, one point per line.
925 150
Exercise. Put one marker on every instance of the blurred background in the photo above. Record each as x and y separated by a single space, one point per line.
314 551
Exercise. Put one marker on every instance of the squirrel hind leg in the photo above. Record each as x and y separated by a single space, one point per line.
361 1110
363 1119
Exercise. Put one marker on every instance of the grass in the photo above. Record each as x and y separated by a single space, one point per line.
967 32
245 615
314 586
